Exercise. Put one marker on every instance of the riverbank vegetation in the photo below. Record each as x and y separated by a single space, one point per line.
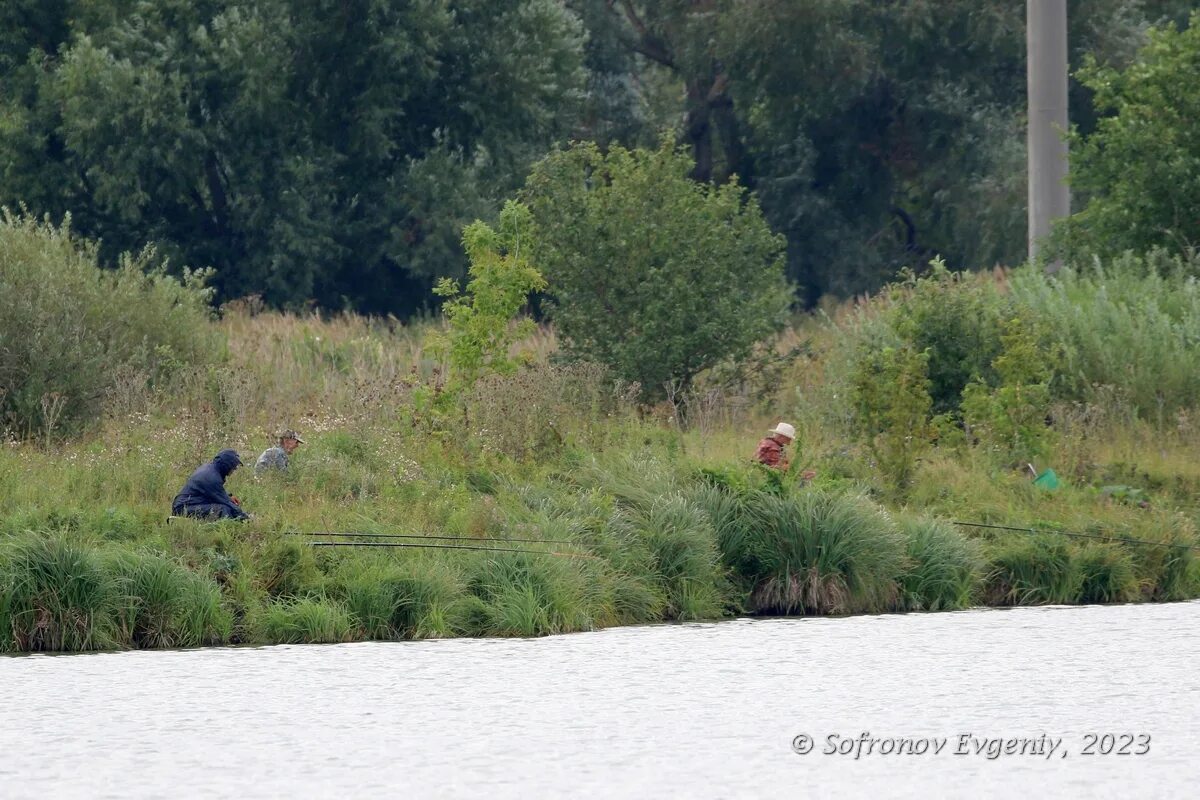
577 422
650 509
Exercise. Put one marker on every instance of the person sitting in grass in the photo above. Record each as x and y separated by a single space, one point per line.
204 493
277 457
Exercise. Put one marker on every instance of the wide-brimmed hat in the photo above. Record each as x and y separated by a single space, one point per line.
290 434
784 429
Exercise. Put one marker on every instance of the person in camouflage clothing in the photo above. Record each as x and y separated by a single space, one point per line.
277 457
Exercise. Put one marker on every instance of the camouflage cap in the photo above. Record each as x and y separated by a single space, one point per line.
290 434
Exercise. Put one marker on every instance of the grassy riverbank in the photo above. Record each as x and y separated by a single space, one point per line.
651 521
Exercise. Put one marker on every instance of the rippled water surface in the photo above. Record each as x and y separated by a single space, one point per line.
688 710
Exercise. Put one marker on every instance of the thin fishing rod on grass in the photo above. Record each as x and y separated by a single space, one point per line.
429 536
453 547
1079 535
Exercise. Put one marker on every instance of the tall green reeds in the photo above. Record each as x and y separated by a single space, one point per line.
158 603
1032 570
529 595
1133 324
306 620
943 570
57 596
686 562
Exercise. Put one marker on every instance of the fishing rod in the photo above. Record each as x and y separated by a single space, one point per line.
430 536
451 547
1079 535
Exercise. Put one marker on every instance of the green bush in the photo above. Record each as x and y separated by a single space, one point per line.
890 394
1137 170
480 320
944 569
68 328
954 318
652 274
1010 419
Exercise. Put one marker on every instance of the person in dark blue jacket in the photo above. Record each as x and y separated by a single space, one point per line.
204 493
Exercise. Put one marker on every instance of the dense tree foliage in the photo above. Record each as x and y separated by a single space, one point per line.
333 150
304 148
654 275
876 134
1138 173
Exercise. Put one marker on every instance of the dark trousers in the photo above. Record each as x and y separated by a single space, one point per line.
205 511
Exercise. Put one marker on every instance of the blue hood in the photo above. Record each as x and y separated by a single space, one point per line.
227 461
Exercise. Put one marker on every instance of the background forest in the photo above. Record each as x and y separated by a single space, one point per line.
331 152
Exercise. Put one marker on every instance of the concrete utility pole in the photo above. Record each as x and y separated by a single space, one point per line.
1046 73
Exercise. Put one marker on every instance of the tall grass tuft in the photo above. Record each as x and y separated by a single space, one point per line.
287 568
686 561
529 595
816 552
944 568
1105 575
304 621
429 599
55 595
158 603
1169 572
1133 324
1032 571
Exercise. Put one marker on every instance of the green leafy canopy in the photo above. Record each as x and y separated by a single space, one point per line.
651 273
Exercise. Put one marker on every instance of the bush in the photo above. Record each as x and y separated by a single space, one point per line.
1010 419
955 318
944 568
652 274
891 401
77 326
481 328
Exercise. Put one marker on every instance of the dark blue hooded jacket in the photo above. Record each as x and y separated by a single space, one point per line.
204 493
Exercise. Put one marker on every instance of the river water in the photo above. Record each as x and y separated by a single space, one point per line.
707 710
